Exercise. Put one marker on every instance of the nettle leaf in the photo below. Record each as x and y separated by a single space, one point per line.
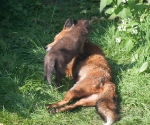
128 29
83 12
143 67
139 7
109 11
118 2
134 58
125 13
113 16
129 45
104 3
134 23
131 2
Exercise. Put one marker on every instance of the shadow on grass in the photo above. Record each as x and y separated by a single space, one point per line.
22 89
117 77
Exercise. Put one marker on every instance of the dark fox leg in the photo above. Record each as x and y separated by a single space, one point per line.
59 76
106 105
60 72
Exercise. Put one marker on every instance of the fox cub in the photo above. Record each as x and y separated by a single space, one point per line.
65 49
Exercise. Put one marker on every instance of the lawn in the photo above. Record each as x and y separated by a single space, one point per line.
23 91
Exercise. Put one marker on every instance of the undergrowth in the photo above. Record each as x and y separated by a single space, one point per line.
23 91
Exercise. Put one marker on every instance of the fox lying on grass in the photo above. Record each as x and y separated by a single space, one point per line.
93 85
67 47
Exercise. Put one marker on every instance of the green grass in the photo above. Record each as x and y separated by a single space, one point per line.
23 91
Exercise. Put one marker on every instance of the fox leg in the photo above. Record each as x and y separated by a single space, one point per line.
68 97
60 72
79 90
86 101
58 78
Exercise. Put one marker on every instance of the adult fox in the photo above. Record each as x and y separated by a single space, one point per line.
93 85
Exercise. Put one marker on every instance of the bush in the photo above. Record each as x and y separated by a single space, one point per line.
131 14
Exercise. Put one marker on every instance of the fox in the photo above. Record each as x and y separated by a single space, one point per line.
93 87
65 49
66 28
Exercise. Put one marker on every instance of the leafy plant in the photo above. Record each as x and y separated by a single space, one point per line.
131 14
123 8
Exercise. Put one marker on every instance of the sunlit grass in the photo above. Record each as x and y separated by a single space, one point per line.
24 93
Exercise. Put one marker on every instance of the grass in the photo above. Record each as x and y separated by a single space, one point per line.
23 92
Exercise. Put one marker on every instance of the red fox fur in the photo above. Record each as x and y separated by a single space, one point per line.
94 86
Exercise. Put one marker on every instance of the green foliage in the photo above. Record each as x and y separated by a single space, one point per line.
104 3
132 15
13 10
143 67
123 8
23 91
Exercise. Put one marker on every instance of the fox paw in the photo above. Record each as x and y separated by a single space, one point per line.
54 110
48 106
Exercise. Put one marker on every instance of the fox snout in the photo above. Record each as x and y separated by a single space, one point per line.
47 48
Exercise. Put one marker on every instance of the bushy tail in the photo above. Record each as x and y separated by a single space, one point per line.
107 105
49 67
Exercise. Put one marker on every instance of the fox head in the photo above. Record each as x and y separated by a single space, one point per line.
69 25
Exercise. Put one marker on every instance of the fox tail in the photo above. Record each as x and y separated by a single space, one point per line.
49 67
107 105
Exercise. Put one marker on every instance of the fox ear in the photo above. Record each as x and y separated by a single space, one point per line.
68 24
75 22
